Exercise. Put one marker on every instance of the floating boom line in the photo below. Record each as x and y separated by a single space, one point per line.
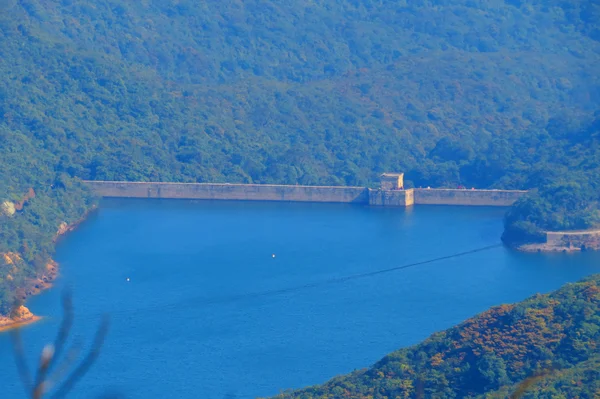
280 291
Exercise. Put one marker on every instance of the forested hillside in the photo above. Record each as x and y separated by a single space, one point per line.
479 93
550 339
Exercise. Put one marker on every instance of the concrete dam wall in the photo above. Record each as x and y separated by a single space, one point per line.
270 192
247 192
443 196
588 239
391 197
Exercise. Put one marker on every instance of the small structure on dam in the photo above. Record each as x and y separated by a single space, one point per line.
392 181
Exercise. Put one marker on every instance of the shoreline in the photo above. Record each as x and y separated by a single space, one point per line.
565 242
34 287
23 317
550 249
42 282
545 249
45 279
18 323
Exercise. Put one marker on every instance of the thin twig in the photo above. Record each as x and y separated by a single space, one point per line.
65 326
50 358
85 365
68 361
20 361
40 384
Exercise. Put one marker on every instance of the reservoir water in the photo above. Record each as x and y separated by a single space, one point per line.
209 312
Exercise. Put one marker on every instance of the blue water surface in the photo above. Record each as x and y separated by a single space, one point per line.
208 312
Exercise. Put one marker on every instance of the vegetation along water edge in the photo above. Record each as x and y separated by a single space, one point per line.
551 339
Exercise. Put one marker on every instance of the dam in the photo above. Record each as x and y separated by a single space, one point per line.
390 193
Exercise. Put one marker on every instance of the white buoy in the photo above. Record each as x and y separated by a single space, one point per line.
128 279
273 255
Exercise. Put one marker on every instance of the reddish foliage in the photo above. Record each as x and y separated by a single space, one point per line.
30 194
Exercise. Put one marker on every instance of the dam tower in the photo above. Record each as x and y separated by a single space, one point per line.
392 181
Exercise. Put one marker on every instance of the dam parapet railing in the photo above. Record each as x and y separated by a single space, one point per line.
297 193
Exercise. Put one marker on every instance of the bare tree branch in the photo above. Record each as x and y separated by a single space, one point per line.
87 362
53 352
20 361
50 358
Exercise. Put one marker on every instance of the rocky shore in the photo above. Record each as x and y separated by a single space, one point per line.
19 317
544 247
22 316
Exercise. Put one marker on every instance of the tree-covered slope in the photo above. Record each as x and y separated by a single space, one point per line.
224 90
564 196
580 381
553 336
479 93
